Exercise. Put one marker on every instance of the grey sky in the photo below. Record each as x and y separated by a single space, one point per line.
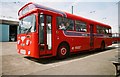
105 11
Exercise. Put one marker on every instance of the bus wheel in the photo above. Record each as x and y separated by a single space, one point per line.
102 46
62 52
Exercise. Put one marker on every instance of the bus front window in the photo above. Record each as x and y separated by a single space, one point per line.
27 24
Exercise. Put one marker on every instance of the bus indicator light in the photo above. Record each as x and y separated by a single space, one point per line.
18 42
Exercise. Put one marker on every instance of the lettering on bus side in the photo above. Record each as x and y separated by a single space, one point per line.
77 47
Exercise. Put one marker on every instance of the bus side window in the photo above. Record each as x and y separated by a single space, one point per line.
103 30
80 26
69 24
65 23
109 30
100 29
106 31
60 23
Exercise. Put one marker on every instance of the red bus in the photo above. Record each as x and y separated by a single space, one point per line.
46 32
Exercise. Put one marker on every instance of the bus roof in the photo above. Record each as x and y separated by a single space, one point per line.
64 14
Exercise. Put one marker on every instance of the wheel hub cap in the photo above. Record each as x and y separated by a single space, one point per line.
63 51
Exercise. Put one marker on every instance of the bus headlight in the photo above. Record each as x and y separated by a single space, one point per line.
18 42
27 42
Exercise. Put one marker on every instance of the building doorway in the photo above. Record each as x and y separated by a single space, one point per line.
13 33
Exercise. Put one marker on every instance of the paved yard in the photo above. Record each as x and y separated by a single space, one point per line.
88 63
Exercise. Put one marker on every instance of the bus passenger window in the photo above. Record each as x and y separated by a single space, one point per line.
65 23
106 31
69 24
62 26
103 30
100 29
80 26
109 30
60 23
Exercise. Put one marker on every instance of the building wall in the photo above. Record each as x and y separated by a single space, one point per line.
4 33
0 33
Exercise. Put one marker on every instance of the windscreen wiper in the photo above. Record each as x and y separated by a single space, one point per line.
28 30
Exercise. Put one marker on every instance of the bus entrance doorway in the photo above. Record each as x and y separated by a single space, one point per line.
45 34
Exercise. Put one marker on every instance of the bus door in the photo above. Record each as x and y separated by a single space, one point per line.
45 34
91 36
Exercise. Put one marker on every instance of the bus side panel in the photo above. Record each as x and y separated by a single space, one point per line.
97 42
108 41
81 43
76 43
55 36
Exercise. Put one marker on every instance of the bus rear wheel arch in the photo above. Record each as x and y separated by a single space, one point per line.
63 50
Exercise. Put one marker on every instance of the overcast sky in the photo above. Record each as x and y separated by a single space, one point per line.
105 11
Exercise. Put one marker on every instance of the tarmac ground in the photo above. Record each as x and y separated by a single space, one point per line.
87 63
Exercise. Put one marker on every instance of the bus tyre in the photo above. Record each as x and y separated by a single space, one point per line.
62 52
102 46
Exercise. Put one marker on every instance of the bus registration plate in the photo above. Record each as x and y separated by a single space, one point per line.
23 52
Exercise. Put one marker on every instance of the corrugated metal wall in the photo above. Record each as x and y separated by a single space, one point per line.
4 33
